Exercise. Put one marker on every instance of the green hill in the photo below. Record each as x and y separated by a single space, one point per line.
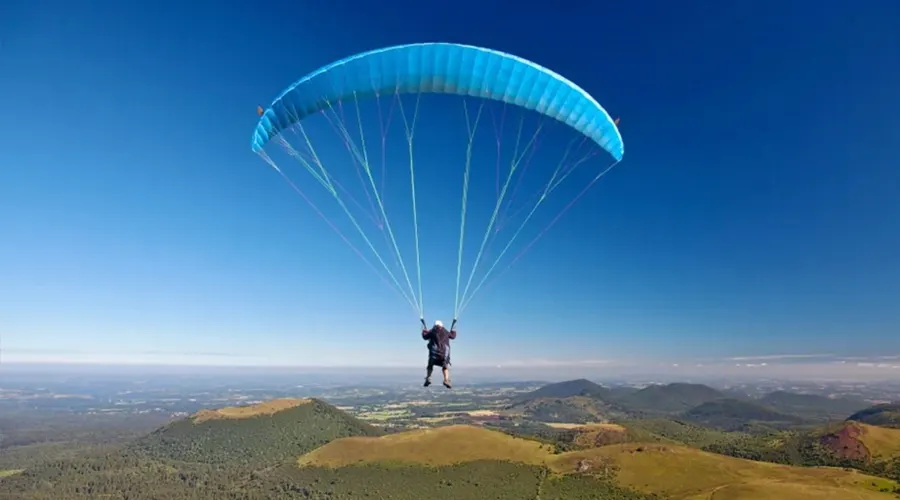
619 391
667 470
561 390
252 435
884 415
575 401
812 406
571 410
670 398
738 415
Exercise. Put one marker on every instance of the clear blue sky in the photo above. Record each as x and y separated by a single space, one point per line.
756 212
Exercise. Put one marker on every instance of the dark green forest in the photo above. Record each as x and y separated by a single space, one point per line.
120 476
252 441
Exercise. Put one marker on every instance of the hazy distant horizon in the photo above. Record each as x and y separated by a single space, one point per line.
798 367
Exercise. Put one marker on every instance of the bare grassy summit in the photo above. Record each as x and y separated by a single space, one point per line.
249 411
433 447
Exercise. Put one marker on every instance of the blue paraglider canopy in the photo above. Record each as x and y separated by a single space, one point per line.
447 68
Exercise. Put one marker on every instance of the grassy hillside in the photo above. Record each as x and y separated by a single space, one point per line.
673 470
868 448
885 415
593 435
881 442
670 398
684 473
267 408
776 447
737 415
812 406
861 441
564 437
265 433
432 447
677 431
535 431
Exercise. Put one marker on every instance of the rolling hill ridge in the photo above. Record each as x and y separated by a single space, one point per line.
812 406
252 435
561 390
671 398
738 415
884 415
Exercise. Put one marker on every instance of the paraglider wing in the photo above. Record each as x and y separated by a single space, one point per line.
445 68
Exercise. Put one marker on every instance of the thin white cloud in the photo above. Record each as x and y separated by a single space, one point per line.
780 356
869 359
553 362
16 350
877 365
